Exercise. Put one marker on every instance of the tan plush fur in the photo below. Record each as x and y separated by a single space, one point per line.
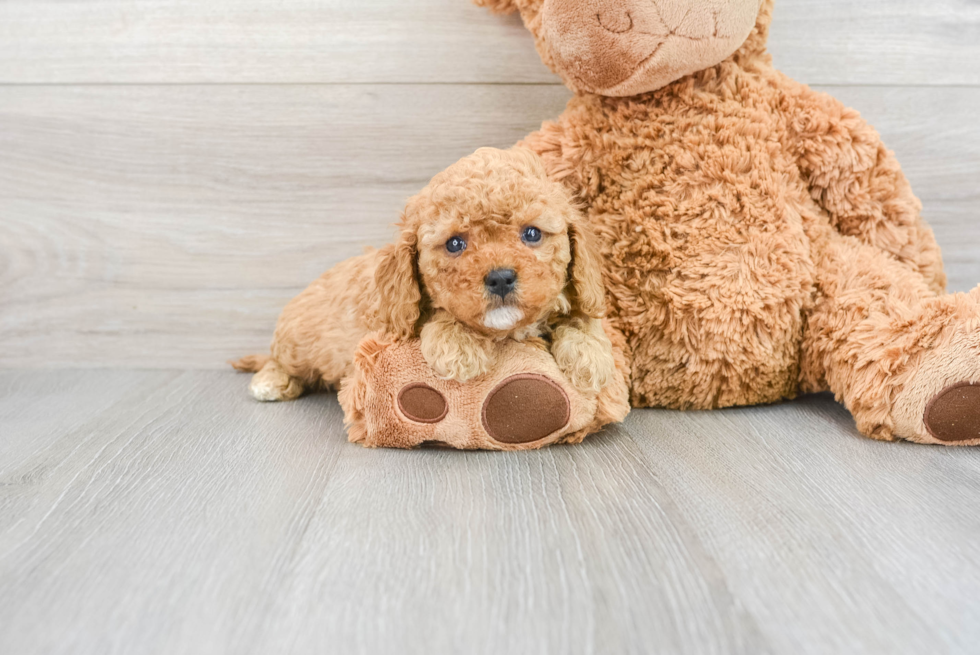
759 240
418 288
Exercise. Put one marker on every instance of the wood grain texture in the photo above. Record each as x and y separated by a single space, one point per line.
922 42
871 533
166 226
172 514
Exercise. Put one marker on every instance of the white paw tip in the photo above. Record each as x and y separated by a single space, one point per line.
265 392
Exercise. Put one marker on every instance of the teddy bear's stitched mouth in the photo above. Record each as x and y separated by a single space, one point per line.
672 32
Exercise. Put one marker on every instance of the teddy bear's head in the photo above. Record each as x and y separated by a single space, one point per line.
628 47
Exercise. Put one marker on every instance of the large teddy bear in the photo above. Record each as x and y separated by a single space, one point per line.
760 241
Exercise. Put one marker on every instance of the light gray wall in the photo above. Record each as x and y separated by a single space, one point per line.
171 173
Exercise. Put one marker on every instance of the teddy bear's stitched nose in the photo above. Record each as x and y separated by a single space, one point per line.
500 281
615 20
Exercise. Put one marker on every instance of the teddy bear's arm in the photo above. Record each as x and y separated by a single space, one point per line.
858 181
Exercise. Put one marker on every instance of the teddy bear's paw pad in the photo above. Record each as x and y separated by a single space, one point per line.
525 408
953 416
422 404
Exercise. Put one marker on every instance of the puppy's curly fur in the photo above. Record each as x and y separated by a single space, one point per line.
419 287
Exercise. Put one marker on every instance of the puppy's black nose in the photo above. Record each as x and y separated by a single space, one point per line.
500 281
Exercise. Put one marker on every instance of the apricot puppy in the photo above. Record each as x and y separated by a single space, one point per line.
489 250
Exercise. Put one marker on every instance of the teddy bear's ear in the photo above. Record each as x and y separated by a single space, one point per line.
498 6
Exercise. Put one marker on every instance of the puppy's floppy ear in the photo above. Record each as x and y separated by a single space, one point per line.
398 286
585 271
498 6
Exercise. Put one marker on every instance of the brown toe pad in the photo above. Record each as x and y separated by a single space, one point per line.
525 408
954 415
422 404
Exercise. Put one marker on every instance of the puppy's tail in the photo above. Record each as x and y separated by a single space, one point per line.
250 364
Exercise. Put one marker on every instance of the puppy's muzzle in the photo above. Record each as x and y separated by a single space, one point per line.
500 281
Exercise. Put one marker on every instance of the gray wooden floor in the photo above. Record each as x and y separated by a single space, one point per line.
166 512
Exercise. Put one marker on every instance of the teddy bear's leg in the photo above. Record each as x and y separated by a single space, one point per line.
858 182
905 361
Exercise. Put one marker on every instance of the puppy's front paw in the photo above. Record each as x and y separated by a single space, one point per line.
454 352
585 356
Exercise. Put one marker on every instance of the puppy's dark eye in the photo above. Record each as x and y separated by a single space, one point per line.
456 245
531 235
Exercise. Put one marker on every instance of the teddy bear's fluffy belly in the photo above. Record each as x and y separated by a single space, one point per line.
702 216
710 282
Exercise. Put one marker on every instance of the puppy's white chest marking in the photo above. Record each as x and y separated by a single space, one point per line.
502 318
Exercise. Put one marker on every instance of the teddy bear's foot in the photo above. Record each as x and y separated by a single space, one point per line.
900 357
940 402
954 415
393 399
522 409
